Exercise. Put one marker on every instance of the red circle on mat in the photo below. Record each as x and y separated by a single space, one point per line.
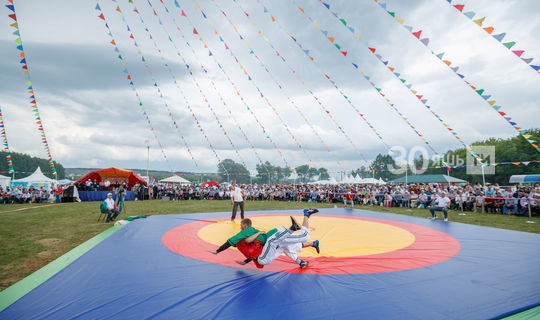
430 247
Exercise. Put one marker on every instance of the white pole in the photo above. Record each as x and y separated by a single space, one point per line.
406 173
148 163
483 176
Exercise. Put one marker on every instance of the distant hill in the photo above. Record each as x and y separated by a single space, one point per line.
24 165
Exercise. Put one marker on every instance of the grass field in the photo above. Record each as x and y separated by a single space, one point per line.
32 235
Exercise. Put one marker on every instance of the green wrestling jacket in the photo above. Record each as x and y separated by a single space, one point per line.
249 231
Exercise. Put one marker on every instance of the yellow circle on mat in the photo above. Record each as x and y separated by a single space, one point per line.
339 237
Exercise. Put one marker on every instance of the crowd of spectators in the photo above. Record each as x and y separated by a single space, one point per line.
517 199
490 198
21 194
106 185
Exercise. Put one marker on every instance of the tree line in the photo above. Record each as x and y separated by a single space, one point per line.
24 165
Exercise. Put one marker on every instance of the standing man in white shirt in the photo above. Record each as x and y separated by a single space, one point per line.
237 199
443 202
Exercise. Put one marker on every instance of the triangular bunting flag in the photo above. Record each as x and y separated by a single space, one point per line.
440 55
509 44
417 34
459 7
518 52
479 21
469 14
486 97
527 61
499 36
425 41
489 29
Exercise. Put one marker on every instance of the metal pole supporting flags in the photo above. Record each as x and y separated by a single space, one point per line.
483 177
148 163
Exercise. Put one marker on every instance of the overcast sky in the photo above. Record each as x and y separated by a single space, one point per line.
92 117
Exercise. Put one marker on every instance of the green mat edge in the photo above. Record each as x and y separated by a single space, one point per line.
19 289
531 314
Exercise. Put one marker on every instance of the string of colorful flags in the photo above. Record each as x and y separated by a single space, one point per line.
184 141
130 80
208 78
448 63
370 81
304 84
28 83
251 79
143 60
499 36
420 97
249 109
205 98
281 88
334 84
147 30
5 143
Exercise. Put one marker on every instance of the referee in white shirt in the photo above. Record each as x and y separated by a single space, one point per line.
237 199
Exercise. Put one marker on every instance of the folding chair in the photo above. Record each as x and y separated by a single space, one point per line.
102 211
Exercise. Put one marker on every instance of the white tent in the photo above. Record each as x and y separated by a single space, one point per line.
358 179
36 179
4 181
348 179
373 181
331 181
175 179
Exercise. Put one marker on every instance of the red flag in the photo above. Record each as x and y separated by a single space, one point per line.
195 31
372 49
459 7
102 16
13 16
417 33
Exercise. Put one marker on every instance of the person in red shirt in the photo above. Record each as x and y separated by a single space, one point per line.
58 193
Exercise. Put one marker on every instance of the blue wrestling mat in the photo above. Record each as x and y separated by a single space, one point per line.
157 268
